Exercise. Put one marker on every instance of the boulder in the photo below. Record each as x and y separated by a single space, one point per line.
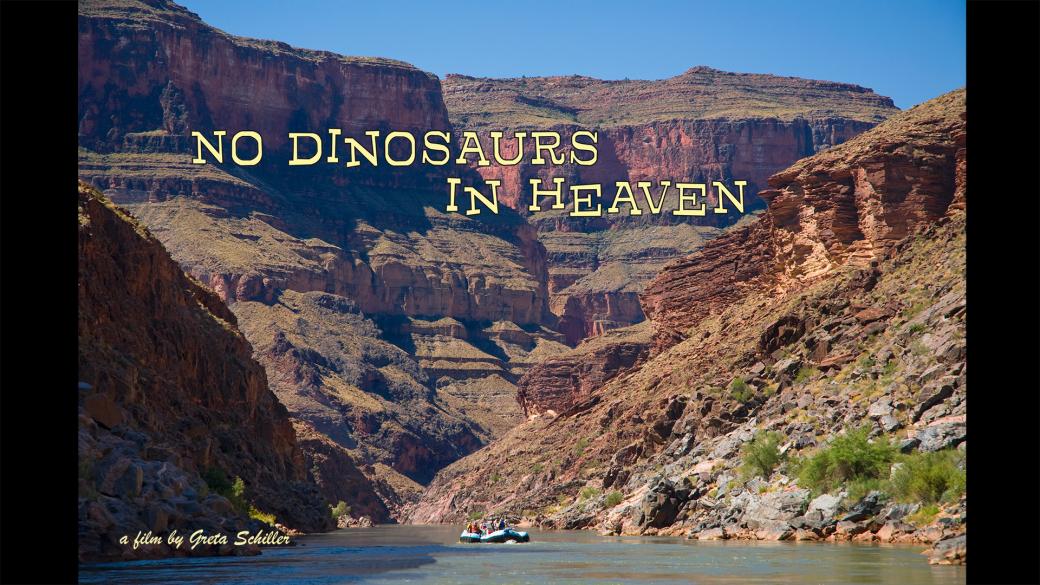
717 533
866 508
826 504
949 551
931 395
942 435
660 505
103 410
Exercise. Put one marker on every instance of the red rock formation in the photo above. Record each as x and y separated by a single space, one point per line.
163 367
844 206
704 125
559 383
153 67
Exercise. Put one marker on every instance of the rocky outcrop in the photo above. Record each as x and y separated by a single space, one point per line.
560 382
169 390
703 125
150 72
846 206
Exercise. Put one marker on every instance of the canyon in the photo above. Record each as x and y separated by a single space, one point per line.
836 316
402 341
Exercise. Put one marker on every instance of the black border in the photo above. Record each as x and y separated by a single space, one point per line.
1003 295
38 338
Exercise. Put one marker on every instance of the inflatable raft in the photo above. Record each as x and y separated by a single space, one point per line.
506 535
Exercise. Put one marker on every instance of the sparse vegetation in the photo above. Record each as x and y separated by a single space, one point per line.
234 491
852 457
537 467
918 349
580 446
804 374
340 509
740 391
930 477
613 498
761 455
924 515
261 516
588 492
475 514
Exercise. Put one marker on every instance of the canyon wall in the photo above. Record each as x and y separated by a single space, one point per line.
846 206
338 276
169 391
701 126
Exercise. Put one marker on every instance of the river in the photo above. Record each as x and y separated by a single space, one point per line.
432 554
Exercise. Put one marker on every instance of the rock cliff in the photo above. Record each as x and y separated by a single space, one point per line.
311 258
703 125
846 206
169 391
830 327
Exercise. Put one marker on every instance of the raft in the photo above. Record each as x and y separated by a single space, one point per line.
498 536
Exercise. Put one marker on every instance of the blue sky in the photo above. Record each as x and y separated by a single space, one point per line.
910 50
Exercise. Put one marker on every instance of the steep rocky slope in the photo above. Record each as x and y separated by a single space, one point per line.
319 263
842 306
169 390
703 125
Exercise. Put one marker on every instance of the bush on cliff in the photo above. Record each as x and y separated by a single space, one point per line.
852 457
340 509
761 455
234 491
740 391
930 478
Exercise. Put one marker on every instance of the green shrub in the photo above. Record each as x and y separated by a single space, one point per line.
476 514
919 349
261 516
804 373
740 391
238 496
217 481
588 492
856 489
851 457
930 477
890 368
924 516
340 509
761 455
613 498
537 468
580 446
